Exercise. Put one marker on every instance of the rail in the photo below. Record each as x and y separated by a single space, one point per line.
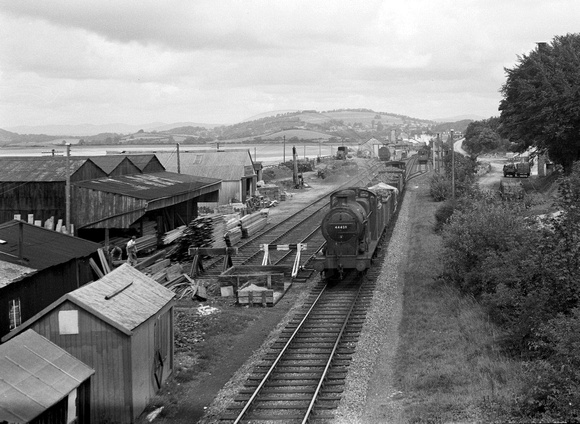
278 358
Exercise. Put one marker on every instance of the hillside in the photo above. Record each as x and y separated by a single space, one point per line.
342 125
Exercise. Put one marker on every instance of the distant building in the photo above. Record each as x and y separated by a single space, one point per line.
42 383
235 169
122 327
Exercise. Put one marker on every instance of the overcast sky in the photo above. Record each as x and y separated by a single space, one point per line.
221 62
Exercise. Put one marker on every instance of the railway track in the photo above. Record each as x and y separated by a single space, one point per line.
302 377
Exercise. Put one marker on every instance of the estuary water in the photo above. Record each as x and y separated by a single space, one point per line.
268 154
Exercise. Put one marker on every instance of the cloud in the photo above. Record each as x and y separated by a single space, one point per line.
223 61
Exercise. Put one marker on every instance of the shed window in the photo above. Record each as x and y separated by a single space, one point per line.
14 312
68 322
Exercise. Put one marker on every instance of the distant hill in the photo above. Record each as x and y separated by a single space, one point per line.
83 130
7 136
339 125
461 118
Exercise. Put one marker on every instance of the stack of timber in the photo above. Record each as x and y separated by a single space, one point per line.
233 231
172 277
149 228
253 223
203 231
147 243
172 235
271 191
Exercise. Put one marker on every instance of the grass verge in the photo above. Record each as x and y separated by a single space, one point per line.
448 367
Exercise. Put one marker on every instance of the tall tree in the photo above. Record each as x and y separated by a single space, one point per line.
541 104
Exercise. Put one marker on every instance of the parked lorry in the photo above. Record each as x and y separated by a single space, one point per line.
519 169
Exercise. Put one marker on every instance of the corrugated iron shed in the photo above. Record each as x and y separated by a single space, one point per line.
150 187
34 168
41 247
35 375
230 165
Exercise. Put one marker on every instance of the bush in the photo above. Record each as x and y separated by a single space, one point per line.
443 215
440 187
526 275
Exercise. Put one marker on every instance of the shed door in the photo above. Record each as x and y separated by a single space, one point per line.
161 348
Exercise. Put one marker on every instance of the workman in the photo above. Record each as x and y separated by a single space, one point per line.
132 251
116 252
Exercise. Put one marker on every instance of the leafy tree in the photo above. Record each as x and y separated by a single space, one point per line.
541 104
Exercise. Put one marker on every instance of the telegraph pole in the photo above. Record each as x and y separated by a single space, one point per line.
452 168
284 160
67 189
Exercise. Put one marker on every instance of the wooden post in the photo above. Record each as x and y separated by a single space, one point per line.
67 187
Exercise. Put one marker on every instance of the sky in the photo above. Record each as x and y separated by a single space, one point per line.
223 62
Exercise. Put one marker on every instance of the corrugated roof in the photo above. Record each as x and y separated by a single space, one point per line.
37 168
141 161
227 166
152 186
42 248
10 272
139 297
108 163
36 374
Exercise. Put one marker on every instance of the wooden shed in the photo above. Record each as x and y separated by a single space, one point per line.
41 383
38 266
167 199
122 327
37 185
234 167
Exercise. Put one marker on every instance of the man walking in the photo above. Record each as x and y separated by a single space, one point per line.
132 251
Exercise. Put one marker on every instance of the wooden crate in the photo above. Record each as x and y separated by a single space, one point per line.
273 281
251 297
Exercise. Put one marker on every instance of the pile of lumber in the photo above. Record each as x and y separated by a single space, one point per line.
172 277
146 243
172 235
233 229
203 231
253 223
271 191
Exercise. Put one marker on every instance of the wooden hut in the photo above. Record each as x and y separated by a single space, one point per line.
37 266
37 185
122 327
41 383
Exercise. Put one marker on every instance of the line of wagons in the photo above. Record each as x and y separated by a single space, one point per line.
356 221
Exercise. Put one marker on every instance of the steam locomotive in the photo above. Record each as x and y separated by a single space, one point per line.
353 226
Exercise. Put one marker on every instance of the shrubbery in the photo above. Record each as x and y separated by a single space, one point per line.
526 274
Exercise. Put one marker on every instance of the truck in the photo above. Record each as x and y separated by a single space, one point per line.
523 168
518 169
